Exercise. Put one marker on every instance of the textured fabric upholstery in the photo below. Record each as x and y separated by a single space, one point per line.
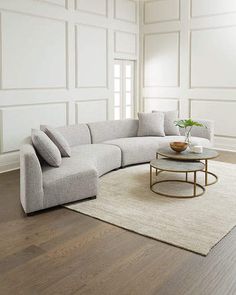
102 131
58 139
77 176
169 118
43 186
143 149
151 124
46 148
75 179
31 180
104 157
76 134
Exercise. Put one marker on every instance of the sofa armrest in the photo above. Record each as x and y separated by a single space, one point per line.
203 132
31 180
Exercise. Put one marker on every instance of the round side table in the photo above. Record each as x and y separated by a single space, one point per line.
169 165
187 155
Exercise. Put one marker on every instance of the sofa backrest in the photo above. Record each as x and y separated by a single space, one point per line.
76 134
107 130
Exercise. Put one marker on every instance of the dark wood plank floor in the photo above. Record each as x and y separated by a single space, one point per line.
63 252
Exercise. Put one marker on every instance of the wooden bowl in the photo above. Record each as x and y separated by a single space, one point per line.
178 146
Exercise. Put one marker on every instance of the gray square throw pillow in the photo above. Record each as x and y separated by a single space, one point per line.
46 148
169 118
151 124
58 139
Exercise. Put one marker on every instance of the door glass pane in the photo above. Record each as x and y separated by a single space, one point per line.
128 71
128 98
117 99
128 84
123 91
117 85
128 112
117 113
117 71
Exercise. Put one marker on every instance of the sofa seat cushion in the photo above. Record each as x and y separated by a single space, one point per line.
137 150
75 179
104 157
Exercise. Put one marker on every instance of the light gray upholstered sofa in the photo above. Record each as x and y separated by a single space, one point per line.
97 148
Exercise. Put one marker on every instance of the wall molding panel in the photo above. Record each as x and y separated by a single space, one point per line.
206 8
214 109
24 118
56 64
207 54
94 109
213 69
126 10
40 47
165 104
91 49
61 3
161 11
125 43
161 59
98 7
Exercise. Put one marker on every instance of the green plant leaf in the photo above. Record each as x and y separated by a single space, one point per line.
188 123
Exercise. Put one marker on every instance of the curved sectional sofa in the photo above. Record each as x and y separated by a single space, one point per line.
97 148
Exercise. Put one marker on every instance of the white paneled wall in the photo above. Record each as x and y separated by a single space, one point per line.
201 8
125 43
213 58
188 57
164 104
126 10
33 52
162 10
161 62
17 121
57 63
92 6
91 49
91 111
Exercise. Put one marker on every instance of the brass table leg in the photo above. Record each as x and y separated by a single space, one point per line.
156 158
206 172
195 184
151 176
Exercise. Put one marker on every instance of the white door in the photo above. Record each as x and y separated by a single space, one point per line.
123 89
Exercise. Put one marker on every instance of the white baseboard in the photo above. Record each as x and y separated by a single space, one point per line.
9 161
225 143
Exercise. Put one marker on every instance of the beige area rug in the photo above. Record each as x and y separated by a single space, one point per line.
194 224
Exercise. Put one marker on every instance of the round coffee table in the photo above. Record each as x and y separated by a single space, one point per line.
168 165
187 155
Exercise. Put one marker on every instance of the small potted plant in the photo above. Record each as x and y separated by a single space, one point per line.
188 124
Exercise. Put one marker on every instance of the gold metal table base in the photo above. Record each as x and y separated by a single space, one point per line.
209 173
194 183
207 183
205 171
